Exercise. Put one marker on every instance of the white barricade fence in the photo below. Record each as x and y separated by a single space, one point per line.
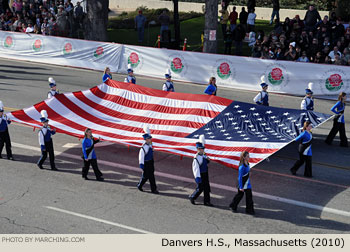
230 71
60 51
237 72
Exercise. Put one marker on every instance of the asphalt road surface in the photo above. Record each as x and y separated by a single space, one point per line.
45 201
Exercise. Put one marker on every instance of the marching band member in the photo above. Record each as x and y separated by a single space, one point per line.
168 85
308 102
305 152
4 133
106 74
338 122
89 156
244 186
130 78
200 172
211 88
45 141
52 84
262 98
147 163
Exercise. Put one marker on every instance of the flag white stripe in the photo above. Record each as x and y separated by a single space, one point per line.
174 103
146 113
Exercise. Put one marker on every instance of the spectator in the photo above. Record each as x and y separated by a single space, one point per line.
243 16
228 42
18 6
296 24
233 19
333 53
311 18
318 58
304 41
140 21
278 28
279 54
252 39
286 26
224 20
337 59
338 30
291 53
275 10
79 14
61 21
164 21
303 57
324 23
257 50
251 20
239 35
45 30
30 28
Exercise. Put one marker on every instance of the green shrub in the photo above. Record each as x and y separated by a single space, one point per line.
126 19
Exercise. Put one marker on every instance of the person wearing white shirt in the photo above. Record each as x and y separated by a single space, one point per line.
251 20
334 52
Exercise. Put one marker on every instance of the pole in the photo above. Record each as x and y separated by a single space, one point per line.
210 26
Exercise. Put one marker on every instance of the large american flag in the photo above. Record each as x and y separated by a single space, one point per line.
118 112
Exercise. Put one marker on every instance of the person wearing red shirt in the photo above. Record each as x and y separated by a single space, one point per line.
233 19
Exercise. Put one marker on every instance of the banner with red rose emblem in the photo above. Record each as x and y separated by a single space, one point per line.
231 71
60 51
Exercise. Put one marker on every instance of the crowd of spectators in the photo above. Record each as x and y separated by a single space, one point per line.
47 17
312 39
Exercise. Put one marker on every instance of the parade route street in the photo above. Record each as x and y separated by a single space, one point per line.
44 201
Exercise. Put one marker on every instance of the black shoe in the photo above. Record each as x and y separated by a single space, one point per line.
208 204
155 192
328 143
100 179
251 212
86 178
0 157
54 169
192 201
140 188
10 158
234 209
293 172
40 166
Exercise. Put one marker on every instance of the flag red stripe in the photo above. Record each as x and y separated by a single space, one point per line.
170 95
153 107
130 117
83 114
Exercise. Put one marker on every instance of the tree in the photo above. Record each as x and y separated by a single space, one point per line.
176 24
342 9
96 20
210 27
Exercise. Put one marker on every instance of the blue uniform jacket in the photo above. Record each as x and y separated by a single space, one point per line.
210 90
87 143
338 108
305 137
105 77
130 79
4 123
243 177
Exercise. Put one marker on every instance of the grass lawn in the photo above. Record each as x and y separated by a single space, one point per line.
190 29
